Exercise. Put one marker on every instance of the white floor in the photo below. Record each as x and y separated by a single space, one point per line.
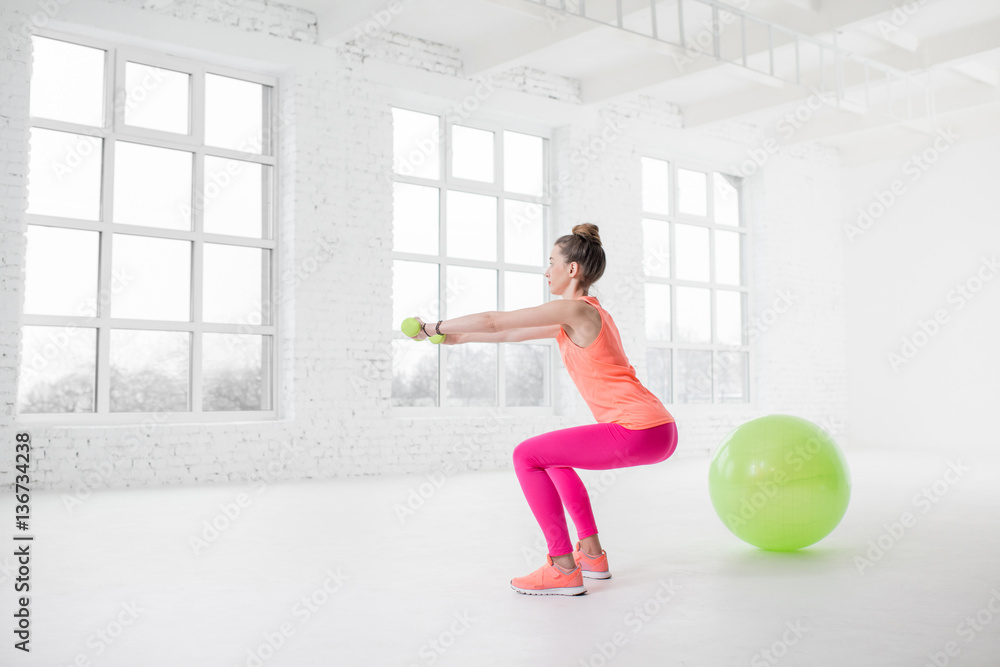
332 574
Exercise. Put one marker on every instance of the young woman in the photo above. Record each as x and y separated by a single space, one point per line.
633 426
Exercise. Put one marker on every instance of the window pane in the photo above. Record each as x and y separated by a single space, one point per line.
152 186
58 369
231 371
472 374
61 271
414 292
471 153
694 317
692 252
233 197
67 82
472 226
694 376
731 377
234 114
233 284
655 186
523 163
658 361
727 203
157 273
414 374
729 317
156 98
523 232
656 248
470 291
415 218
64 177
523 290
149 370
728 264
416 144
657 311
525 367
692 196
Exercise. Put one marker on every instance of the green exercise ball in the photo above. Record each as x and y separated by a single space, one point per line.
779 482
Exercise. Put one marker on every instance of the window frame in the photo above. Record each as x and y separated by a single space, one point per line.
113 129
496 123
745 288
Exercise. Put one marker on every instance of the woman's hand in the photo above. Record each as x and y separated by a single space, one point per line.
420 332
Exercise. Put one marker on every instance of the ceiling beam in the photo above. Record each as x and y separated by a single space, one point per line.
943 49
542 28
841 14
345 21
951 100
631 78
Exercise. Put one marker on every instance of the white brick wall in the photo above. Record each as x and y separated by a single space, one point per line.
335 385
15 56
537 82
272 18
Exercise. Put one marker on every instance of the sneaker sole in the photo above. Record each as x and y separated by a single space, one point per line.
587 574
573 590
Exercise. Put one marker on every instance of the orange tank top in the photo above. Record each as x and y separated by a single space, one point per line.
607 380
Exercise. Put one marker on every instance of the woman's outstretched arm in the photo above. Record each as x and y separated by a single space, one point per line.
510 336
497 321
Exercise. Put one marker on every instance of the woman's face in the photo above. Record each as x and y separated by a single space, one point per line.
560 274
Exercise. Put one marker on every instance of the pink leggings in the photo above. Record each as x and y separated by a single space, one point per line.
544 466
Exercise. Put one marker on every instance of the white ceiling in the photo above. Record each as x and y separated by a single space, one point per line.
957 40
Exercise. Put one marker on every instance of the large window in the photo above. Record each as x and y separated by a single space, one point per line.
150 237
696 292
469 235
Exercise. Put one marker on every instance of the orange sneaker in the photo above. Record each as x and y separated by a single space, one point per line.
550 580
592 568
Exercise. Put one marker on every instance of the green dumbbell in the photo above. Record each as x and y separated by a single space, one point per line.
411 327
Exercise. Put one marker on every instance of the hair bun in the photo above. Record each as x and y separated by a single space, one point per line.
588 231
